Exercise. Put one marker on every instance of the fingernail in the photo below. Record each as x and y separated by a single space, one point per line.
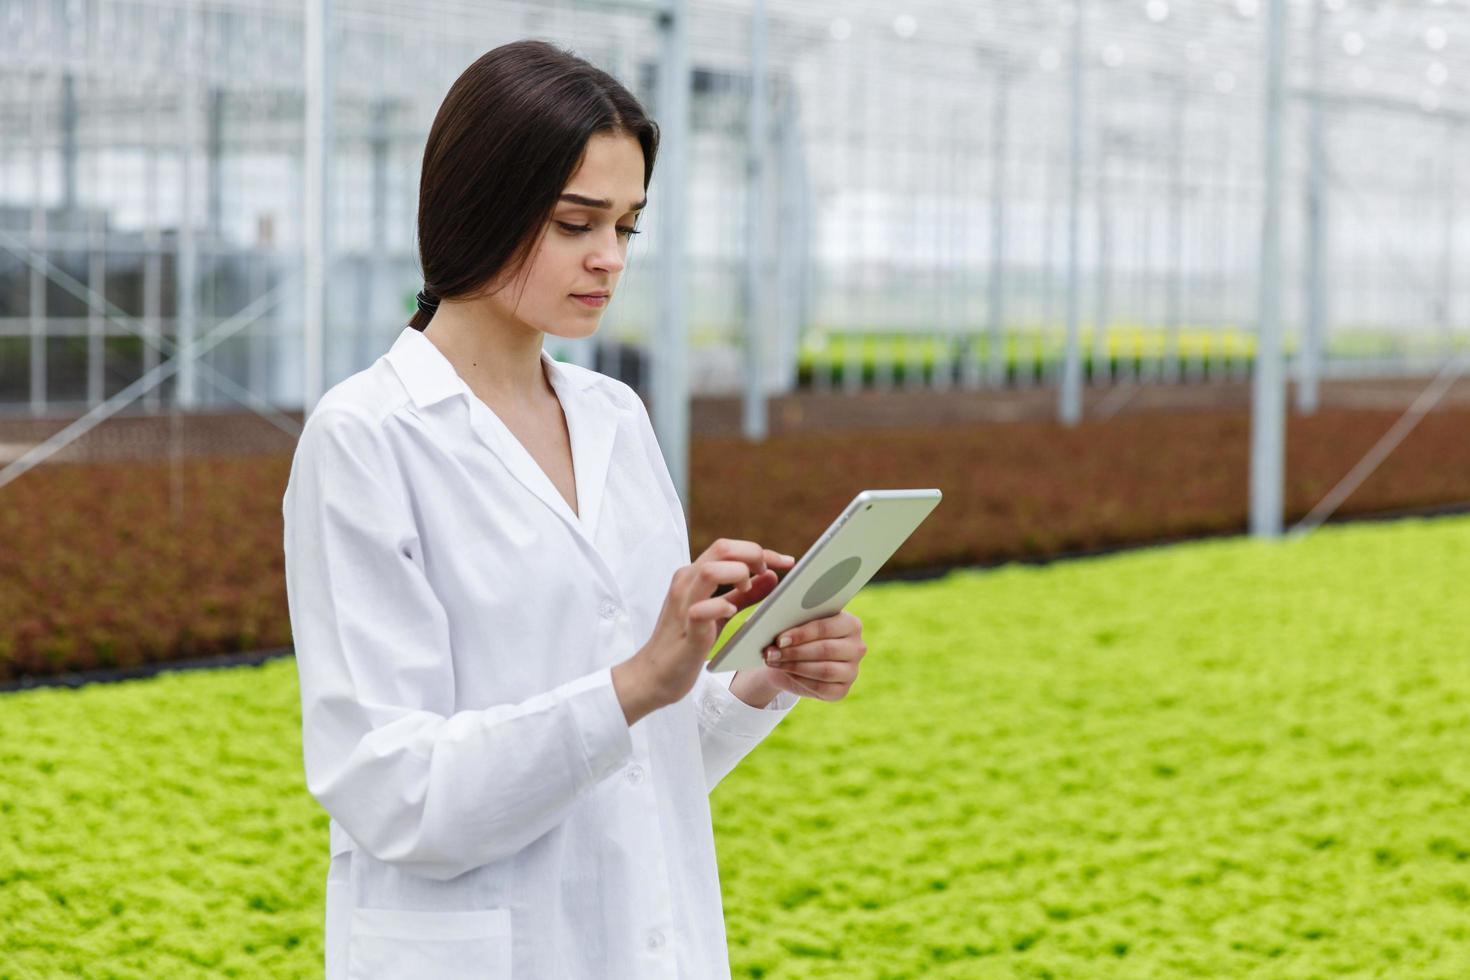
771 655
785 642
788 557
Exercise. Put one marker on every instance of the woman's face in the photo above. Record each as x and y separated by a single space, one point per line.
583 248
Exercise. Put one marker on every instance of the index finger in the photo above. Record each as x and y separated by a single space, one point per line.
756 557
779 560
738 549
711 575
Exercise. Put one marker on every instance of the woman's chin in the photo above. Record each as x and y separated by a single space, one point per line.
578 332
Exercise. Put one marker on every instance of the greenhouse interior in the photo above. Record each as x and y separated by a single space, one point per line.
1170 300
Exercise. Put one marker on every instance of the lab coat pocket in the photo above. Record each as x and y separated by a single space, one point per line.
387 944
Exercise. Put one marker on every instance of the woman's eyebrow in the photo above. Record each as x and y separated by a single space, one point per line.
598 202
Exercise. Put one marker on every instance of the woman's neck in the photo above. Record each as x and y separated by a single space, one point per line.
501 362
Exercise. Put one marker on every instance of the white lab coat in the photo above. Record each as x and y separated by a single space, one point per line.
493 815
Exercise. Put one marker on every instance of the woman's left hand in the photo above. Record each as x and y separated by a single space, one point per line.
821 660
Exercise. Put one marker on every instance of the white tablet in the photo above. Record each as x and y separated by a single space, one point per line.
852 549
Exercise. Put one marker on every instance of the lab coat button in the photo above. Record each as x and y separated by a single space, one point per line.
655 938
635 773
609 609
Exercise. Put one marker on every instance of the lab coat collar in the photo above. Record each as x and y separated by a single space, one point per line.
429 378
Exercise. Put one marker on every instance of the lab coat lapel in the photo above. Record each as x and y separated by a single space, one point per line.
592 422
592 428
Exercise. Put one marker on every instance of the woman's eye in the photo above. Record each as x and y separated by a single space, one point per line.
578 229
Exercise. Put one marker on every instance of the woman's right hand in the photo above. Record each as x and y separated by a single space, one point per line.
667 666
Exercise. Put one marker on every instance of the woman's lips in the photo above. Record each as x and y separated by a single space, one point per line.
592 301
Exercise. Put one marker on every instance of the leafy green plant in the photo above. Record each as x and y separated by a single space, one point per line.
1225 758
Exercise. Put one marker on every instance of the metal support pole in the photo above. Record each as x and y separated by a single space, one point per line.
1268 417
913 340
1309 360
214 164
803 269
258 345
1048 245
153 253
68 149
1102 362
1135 287
940 330
957 157
186 322
39 339
214 213
1447 246
318 142
995 364
1222 247
97 283
1070 398
73 222
790 242
670 349
753 419
866 309
1174 296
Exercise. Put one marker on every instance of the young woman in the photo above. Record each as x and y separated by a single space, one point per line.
500 638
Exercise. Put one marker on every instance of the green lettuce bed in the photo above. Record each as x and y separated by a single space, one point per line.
1211 759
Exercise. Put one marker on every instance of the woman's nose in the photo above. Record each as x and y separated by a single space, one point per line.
608 257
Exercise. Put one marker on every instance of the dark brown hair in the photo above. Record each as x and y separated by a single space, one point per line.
511 132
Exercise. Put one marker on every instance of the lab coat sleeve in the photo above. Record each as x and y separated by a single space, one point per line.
728 727
413 781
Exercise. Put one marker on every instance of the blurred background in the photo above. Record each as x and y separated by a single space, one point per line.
905 180
1107 272
1145 238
